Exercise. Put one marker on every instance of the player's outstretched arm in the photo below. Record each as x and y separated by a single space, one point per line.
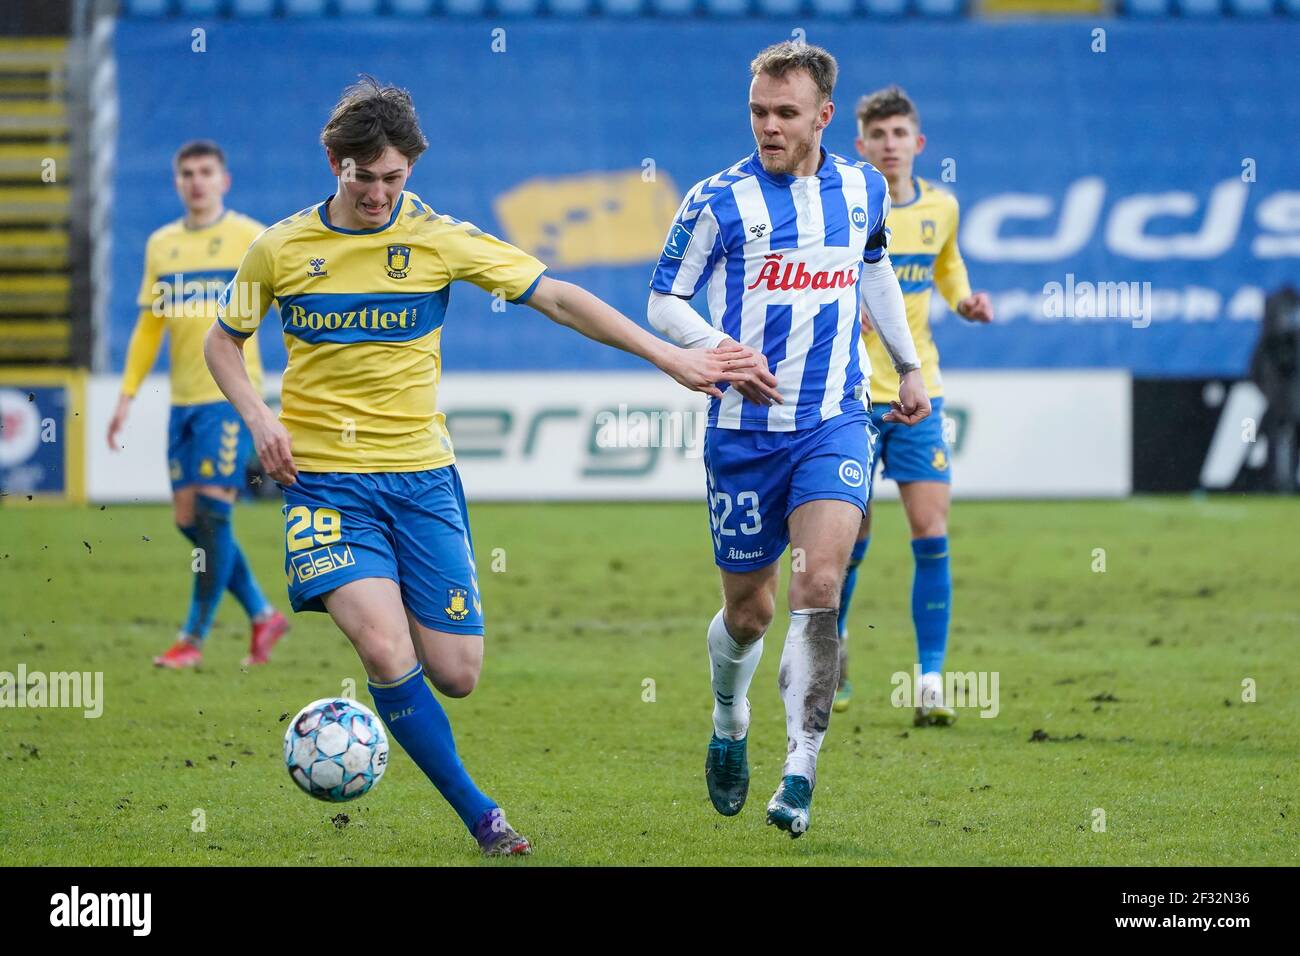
882 297
224 354
672 316
698 369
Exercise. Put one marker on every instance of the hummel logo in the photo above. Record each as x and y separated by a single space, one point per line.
758 230
317 269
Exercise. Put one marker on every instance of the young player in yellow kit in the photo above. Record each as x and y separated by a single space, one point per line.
377 531
187 264
923 248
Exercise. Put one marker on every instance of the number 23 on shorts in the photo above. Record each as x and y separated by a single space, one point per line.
308 527
748 500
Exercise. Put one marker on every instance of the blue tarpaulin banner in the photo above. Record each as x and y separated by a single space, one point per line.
1128 197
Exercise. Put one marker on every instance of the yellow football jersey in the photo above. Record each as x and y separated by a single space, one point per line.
185 271
923 249
362 312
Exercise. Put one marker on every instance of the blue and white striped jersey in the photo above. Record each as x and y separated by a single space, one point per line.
781 258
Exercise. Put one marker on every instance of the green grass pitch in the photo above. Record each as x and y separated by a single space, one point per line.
1135 674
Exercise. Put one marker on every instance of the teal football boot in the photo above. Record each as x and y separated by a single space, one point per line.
726 771
790 806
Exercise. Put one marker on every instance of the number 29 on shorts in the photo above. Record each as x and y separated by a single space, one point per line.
308 527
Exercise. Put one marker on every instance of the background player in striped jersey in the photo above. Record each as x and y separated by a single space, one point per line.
923 247
377 531
780 241
187 264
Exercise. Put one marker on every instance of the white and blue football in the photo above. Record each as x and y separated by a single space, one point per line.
336 749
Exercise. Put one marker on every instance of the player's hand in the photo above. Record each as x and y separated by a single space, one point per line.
913 403
976 308
754 380
701 369
867 327
271 441
118 420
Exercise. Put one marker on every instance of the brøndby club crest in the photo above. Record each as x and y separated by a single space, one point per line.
456 609
399 261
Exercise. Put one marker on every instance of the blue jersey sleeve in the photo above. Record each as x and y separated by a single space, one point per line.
691 251
877 212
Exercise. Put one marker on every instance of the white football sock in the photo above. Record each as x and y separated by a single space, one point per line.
731 668
931 689
810 667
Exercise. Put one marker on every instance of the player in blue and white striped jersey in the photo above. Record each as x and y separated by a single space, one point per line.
786 244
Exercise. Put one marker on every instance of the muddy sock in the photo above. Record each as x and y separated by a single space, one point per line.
810 664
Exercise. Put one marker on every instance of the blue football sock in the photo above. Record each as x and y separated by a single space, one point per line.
851 580
242 584
213 535
931 601
417 721
191 618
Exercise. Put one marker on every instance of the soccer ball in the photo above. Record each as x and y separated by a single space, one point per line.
336 749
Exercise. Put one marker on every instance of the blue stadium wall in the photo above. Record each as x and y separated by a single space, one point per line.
548 144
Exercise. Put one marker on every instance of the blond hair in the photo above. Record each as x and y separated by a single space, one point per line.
782 58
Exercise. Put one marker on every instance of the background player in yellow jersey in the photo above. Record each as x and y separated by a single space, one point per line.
923 248
377 532
187 264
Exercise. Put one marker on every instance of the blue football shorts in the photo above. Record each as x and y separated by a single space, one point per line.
410 527
207 445
914 452
757 478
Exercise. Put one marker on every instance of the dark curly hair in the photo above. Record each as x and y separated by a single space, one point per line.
369 118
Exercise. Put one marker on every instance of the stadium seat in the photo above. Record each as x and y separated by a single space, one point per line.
410 8
822 8
148 8
304 8
357 8
886 8
726 8
199 8
1251 8
672 8
780 8
1147 8
518 8
1200 8
252 8
622 8
939 8
569 8
464 8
